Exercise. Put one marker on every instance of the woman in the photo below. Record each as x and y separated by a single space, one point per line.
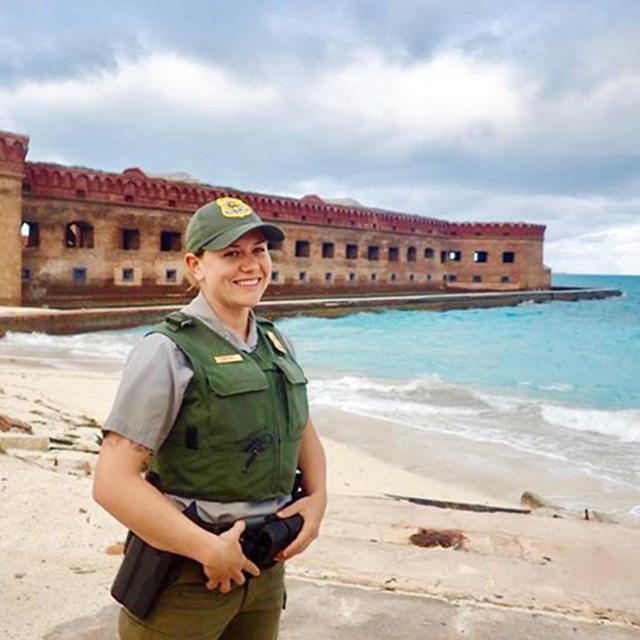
214 402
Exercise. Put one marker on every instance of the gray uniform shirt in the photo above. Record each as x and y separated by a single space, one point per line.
151 391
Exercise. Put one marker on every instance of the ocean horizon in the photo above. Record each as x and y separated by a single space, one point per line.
554 382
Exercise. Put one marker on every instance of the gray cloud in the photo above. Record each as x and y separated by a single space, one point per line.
467 110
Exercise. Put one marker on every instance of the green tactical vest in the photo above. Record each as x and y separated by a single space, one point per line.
238 433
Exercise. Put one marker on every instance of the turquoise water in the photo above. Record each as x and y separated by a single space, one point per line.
555 383
584 353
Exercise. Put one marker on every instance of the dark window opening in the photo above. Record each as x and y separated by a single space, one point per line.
412 277
79 275
275 276
303 249
328 249
505 279
428 253
78 235
81 193
274 245
128 275
394 254
130 239
453 277
428 277
128 199
374 277
328 276
508 257
173 203
373 252
352 252
393 277
171 275
303 218
30 232
302 276
454 256
170 241
443 256
26 188
352 277
26 274
411 254
480 256
476 279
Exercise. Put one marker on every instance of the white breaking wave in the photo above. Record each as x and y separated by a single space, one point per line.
108 347
622 424
559 386
479 415
392 400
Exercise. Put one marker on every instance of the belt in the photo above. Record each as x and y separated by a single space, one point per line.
226 513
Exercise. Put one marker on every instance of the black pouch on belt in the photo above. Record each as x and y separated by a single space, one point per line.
146 572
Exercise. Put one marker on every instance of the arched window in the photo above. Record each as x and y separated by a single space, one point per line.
30 234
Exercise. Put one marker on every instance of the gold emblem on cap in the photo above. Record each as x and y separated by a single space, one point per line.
276 343
232 357
233 208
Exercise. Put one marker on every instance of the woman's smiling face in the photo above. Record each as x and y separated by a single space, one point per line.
234 279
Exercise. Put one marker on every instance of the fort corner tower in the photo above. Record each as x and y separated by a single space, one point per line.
13 151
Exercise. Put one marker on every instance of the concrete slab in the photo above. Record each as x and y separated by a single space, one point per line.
334 612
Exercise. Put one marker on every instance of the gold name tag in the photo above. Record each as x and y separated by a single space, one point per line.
233 357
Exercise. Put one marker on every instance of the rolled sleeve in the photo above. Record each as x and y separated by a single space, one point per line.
150 394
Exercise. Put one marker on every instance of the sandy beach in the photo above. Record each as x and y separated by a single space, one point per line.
59 551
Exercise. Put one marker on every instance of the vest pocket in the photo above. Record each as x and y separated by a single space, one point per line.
234 378
238 405
297 402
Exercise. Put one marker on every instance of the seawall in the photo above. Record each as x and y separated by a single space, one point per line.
69 321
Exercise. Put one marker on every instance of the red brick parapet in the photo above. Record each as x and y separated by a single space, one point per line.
13 151
133 188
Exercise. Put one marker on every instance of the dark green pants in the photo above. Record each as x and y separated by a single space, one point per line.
188 611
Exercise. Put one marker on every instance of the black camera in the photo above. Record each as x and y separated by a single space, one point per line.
263 545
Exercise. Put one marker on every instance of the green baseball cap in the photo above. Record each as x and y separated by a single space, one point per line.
218 224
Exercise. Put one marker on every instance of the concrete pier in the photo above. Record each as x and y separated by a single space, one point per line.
69 321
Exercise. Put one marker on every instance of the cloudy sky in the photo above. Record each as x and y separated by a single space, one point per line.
457 109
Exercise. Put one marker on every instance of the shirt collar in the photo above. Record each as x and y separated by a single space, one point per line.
199 308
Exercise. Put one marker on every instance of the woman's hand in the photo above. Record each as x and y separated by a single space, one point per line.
227 561
312 509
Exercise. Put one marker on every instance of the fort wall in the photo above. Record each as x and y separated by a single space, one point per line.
82 237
